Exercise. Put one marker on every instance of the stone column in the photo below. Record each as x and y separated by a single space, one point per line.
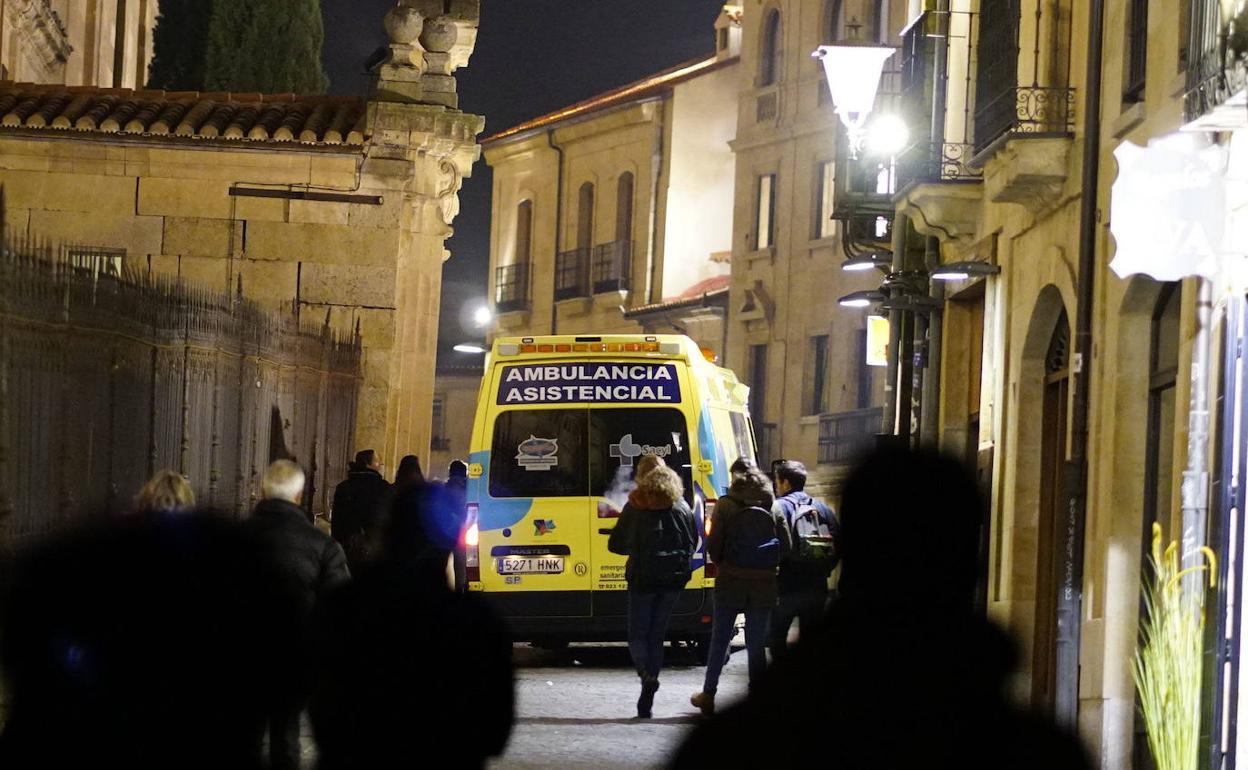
420 149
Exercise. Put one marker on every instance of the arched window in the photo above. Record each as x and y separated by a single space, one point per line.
833 21
769 54
512 281
877 22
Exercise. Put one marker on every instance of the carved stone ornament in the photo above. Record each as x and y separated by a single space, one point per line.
448 193
403 24
439 35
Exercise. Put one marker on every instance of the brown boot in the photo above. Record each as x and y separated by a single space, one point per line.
705 701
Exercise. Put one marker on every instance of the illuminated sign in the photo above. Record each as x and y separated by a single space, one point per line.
589 383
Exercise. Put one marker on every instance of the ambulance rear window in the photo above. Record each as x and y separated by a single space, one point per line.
540 453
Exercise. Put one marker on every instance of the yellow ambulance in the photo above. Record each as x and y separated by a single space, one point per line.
560 424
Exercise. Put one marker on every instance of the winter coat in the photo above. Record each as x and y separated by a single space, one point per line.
743 586
309 561
650 511
796 576
358 504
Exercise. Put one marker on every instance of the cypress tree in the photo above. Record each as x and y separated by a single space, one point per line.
178 44
271 46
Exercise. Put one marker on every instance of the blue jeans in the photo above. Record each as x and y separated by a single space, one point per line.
725 615
648 613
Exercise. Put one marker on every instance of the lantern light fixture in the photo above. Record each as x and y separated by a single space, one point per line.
865 298
853 73
882 260
961 271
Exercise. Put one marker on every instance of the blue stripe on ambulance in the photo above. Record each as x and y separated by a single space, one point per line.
495 513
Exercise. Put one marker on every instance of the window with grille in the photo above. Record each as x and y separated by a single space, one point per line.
96 260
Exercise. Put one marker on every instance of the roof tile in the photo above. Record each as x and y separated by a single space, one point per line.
245 117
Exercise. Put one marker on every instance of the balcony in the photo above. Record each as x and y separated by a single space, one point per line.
511 287
611 266
1021 80
844 436
572 273
1217 80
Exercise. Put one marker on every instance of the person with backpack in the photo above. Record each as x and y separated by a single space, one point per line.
748 538
657 532
804 571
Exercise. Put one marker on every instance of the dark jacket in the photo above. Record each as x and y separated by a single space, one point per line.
736 585
797 576
649 514
309 561
405 663
886 690
358 504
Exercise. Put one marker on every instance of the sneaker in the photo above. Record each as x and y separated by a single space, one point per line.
705 702
649 686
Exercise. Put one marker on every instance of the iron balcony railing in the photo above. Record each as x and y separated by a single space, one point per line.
1215 68
935 157
511 287
846 435
572 273
1005 106
611 266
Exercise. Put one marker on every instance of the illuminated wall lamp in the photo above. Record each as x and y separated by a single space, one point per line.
853 75
865 298
874 259
961 271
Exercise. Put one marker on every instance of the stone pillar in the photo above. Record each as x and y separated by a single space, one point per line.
420 149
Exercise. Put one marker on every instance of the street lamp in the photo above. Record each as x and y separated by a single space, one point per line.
882 260
960 271
469 347
865 298
482 316
853 73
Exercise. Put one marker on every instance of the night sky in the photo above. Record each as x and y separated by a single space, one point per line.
532 57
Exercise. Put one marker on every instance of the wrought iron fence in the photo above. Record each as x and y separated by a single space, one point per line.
106 378
845 435
572 273
1215 69
611 265
511 287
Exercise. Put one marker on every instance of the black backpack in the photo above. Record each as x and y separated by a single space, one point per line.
752 543
669 563
814 548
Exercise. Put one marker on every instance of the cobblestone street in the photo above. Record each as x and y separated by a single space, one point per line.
576 708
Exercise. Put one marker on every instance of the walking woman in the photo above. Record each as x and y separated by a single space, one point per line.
657 532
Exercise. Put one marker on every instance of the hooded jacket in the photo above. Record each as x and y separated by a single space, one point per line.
654 525
743 585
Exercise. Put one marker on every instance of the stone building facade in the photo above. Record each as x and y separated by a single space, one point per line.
613 215
104 43
1006 190
335 208
813 396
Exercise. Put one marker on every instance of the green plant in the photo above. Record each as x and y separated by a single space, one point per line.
1168 660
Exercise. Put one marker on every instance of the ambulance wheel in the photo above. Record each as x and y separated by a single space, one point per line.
702 648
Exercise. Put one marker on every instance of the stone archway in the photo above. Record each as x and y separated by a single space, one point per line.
1041 450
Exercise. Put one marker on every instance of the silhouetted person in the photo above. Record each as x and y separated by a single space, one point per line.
409 473
802 580
165 492
406 667
147 641
310 563
748 538
359 503
902 673
457 491
657 532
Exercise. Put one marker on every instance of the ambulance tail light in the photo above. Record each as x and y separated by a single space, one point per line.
471 542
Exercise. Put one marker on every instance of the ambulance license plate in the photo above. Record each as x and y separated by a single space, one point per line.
530 565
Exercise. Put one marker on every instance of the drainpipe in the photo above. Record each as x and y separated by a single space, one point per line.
554 307
654 290
1070 591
